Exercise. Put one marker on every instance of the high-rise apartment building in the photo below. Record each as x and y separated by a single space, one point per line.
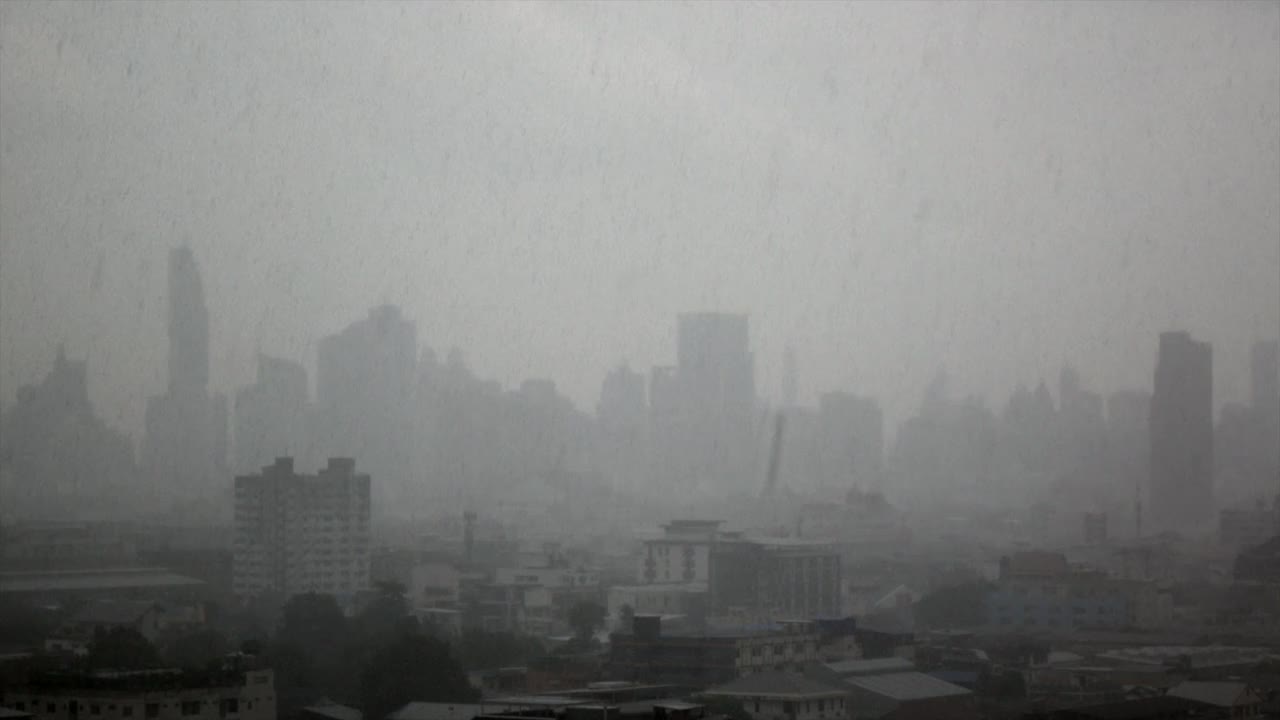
1181 486
301 533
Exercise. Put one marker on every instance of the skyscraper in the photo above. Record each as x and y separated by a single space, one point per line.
188 326
365 381
271 416
1181 486
1266 375
715 374
184 450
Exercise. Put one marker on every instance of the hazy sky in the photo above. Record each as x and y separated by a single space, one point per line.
891 188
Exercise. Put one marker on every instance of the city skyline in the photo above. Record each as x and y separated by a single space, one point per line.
825 199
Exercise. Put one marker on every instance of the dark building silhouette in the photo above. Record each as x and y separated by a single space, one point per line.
1181 486
271 416
715 374
184 451
365 378
1265 367
58 459
851 443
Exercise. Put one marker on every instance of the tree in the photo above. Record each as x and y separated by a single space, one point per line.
312 621
584 618
413 667
626 616
121 648
197 649
480 649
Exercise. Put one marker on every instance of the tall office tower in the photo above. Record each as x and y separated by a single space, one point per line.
365 380
184 450
622 416
188 325
851 441
301 533
1266 376
271 415
1181 485
716 376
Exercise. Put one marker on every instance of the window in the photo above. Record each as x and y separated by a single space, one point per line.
95 709
51 707
788 708
153 710
190 707
126 711
230 705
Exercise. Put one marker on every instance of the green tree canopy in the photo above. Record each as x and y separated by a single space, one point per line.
413 667
585 617
121 648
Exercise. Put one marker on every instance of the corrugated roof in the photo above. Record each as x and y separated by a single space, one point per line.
775 684
906 686
876 666
1217 694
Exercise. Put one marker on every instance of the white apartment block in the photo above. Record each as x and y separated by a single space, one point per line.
302 533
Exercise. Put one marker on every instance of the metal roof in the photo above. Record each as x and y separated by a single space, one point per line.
775 684
876 666
1217 694
906 686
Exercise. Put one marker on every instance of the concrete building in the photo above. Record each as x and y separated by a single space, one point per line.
228 694
851 441
1265 374
1181 485
750 578
302 533
700 658
1041 590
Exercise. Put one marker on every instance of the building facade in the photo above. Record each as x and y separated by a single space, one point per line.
1181 483
147 695
302 533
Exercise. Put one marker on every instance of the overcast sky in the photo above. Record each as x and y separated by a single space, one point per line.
890 188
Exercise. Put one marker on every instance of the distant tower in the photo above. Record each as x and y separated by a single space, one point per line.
188 325
790 383
1181 483
468 535
1266 375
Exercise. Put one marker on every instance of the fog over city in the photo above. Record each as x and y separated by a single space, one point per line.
891 189
646 360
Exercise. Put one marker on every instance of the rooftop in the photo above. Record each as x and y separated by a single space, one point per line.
877 666
1217 694
776 684
330 709
906 686
112 612
90 580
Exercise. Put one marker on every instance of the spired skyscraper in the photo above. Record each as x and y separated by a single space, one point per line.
185 448
1181 486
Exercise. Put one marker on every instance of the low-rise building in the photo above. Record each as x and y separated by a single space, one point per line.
785 696
703 658
75 635
226 694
